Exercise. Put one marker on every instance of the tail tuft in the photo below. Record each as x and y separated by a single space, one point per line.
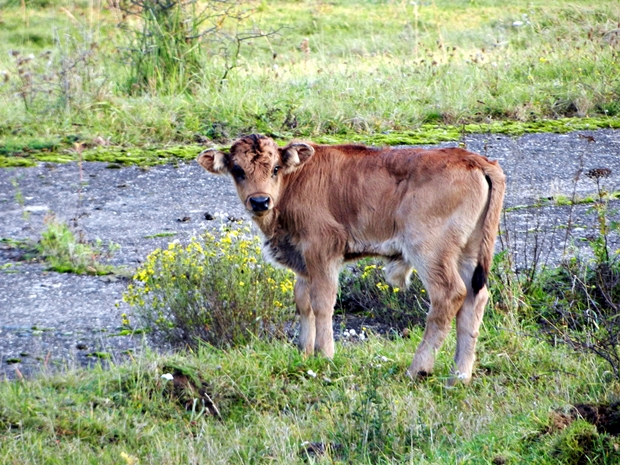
479 279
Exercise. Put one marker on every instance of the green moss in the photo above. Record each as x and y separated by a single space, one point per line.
161 234
54 157
16 162
426 134
101 355
562 200
142 156
435 134
30 152
130 332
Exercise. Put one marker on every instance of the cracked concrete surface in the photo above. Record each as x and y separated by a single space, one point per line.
50 320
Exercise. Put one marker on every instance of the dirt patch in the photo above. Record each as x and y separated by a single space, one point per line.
606 417
49 319
192 394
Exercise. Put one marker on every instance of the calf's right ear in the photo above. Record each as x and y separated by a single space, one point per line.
213 161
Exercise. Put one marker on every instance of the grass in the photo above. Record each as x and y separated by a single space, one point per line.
64 252
270 401
394 72
374 72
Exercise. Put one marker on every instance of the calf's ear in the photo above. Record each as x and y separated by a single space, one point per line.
295 155
213 161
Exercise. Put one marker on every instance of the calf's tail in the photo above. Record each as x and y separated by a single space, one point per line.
497 186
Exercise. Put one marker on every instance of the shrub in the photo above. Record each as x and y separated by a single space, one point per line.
67 76
216 290
578 300
164 52
177 39
363 290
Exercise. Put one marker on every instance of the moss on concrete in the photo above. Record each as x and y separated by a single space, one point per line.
29 153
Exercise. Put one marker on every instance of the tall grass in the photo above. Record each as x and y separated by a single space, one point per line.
380 66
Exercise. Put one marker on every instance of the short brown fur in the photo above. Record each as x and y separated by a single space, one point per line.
435 210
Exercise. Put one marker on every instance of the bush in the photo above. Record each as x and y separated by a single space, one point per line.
67 76
363 290
177 39
165 51
216 290
578 300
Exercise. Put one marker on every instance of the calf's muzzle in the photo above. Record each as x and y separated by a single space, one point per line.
259 203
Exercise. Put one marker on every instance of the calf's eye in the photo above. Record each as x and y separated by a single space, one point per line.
275 170
238 173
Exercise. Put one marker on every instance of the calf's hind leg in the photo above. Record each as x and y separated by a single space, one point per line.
447 292
468 322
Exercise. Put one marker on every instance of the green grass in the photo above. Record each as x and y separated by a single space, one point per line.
380 72
64 252
269 403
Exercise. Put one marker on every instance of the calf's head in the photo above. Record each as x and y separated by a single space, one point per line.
258 167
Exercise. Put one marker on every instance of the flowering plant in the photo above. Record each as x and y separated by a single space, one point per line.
215 289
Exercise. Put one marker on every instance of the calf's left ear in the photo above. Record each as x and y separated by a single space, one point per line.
295 155
213 161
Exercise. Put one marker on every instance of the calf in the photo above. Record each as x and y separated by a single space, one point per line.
319 206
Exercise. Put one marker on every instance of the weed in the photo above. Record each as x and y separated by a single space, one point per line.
19 198
60 77
576 302
363 290
65 253
368 434
166 52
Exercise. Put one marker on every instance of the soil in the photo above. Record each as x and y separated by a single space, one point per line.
50 320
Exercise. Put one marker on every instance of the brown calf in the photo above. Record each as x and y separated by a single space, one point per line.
318 206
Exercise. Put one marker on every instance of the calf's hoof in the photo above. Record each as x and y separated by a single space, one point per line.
422 374
458 378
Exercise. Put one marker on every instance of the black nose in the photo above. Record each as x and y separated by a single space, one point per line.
259 204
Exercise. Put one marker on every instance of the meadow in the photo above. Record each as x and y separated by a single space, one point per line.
109 74
84 80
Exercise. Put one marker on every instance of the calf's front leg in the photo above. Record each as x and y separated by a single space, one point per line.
323 290
307 328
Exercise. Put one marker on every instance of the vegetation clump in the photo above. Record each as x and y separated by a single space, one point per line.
66 253
363 290
215 289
